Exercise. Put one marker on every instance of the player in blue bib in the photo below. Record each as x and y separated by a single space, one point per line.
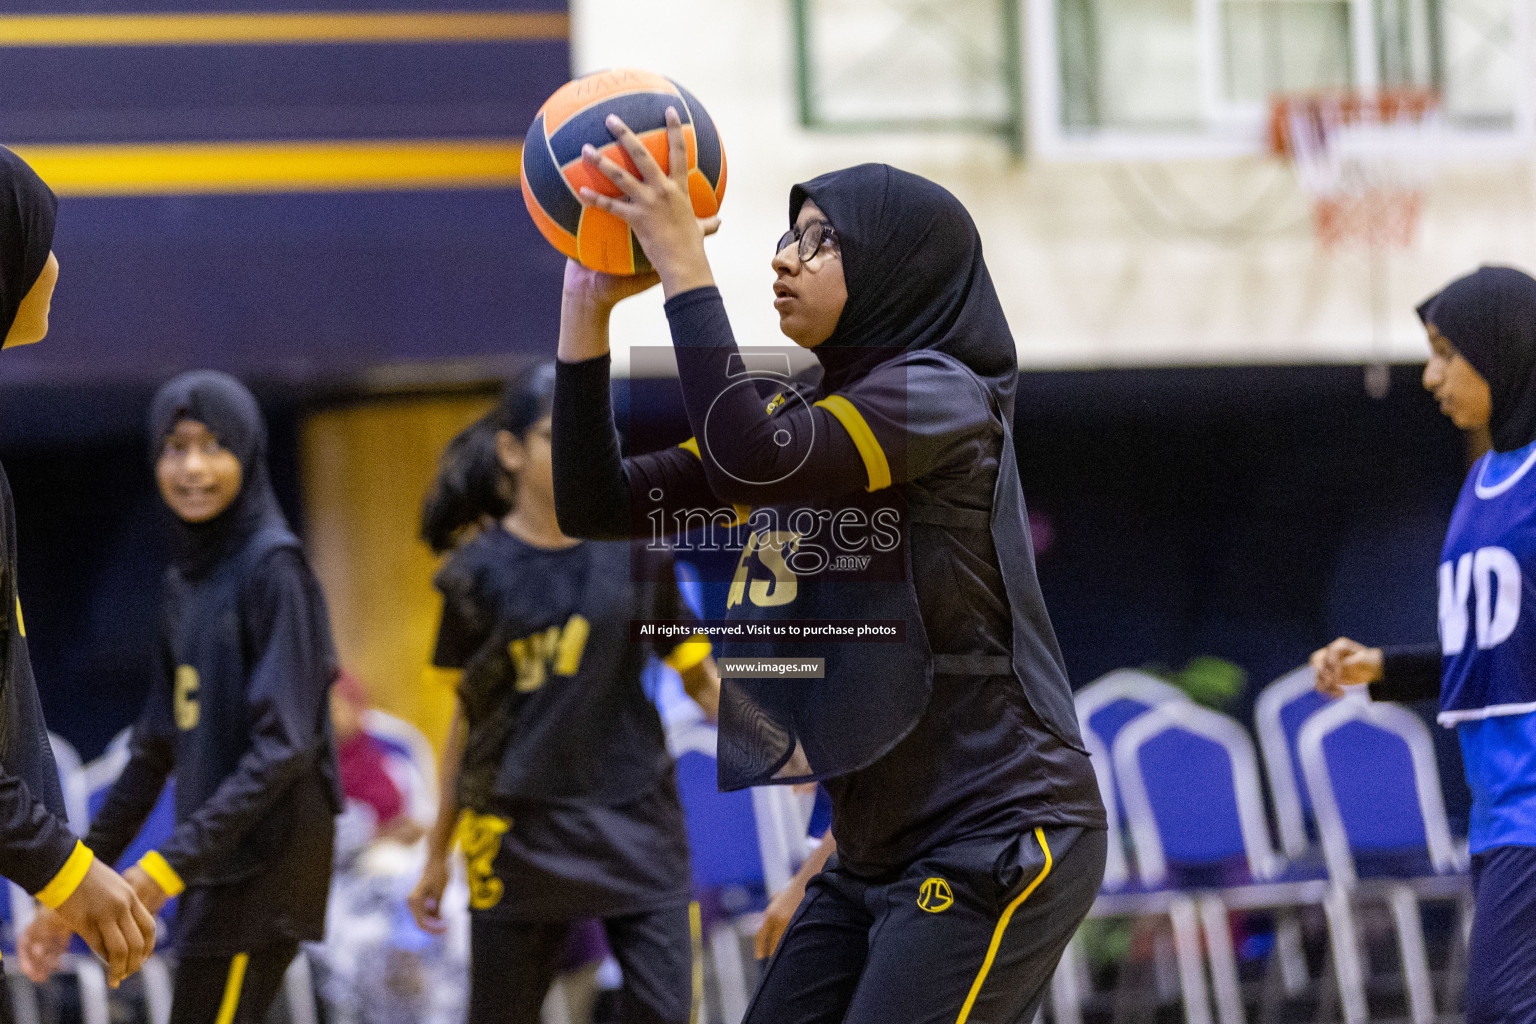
1482 370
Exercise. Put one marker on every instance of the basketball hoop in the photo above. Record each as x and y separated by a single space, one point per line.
1364 158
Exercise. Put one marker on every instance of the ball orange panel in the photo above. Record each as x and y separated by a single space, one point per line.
602 243
701 195
583 92
556 235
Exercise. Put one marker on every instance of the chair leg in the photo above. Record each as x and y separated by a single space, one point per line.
1347 966
1223 955
157 989
93 991
730 972
1410 945
23 997
299 987
1066 996
1290 953
1186 944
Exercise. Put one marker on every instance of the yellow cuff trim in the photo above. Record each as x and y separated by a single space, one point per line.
875 465
688 653
692 445
447 678
69 877
165 876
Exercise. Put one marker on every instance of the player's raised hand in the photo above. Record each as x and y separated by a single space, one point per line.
1345 663
106 913
656 205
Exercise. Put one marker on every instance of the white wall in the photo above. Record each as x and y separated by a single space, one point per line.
1090 273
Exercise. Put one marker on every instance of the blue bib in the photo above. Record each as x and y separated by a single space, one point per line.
1487 602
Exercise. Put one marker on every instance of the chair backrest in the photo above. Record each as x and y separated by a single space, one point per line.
409 759
1370 769
1189 779
1117 871
1109 703
72 781
723 831
1278 715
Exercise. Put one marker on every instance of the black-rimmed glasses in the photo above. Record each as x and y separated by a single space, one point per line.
816 234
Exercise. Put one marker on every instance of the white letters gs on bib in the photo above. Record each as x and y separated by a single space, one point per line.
1494 574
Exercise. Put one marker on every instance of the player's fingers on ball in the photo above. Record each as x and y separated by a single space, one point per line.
709 225
677 148
595 199
650 170
612 170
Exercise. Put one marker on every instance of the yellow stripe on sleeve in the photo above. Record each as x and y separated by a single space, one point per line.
447 678
232 985
64 884
848 415
266 28
21 623
696 942
1002 926
165 876
688 653
692 445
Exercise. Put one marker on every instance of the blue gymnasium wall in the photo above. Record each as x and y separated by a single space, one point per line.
299 257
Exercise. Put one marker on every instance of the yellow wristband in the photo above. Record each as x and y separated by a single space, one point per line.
64 884
688 653
165 876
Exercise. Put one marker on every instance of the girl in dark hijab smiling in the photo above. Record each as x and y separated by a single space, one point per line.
969 832
1482 371
37 850
238 709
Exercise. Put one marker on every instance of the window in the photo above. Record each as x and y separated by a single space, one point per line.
1127 78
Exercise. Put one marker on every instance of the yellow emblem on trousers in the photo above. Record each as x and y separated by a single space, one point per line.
480 836
775 403
184 698
935 896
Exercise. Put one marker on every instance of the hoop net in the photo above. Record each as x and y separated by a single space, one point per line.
1364 158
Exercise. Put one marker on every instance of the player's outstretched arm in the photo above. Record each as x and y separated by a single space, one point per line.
1392 673
781 909
426 900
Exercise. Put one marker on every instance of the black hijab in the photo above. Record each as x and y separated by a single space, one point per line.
27 212
916 278
229 411
1489 316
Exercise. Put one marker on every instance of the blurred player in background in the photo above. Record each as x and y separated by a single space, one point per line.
556 756
1482 371
969 831
238 710
37 850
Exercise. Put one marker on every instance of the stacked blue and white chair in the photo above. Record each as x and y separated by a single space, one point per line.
1104 707
1189 779
1374 787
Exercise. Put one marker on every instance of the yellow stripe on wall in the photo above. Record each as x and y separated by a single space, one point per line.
235 28
238 167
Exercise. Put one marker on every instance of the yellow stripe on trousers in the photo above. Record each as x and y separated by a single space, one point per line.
696 935
214 168
242 28
232 985
1002 926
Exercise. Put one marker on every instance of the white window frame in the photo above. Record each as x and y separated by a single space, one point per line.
1240 129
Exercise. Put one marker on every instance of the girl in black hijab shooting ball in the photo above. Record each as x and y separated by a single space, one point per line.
970 838
238 710
37 850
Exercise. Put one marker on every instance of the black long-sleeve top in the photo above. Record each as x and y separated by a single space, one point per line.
979 760
257 728
1408 673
